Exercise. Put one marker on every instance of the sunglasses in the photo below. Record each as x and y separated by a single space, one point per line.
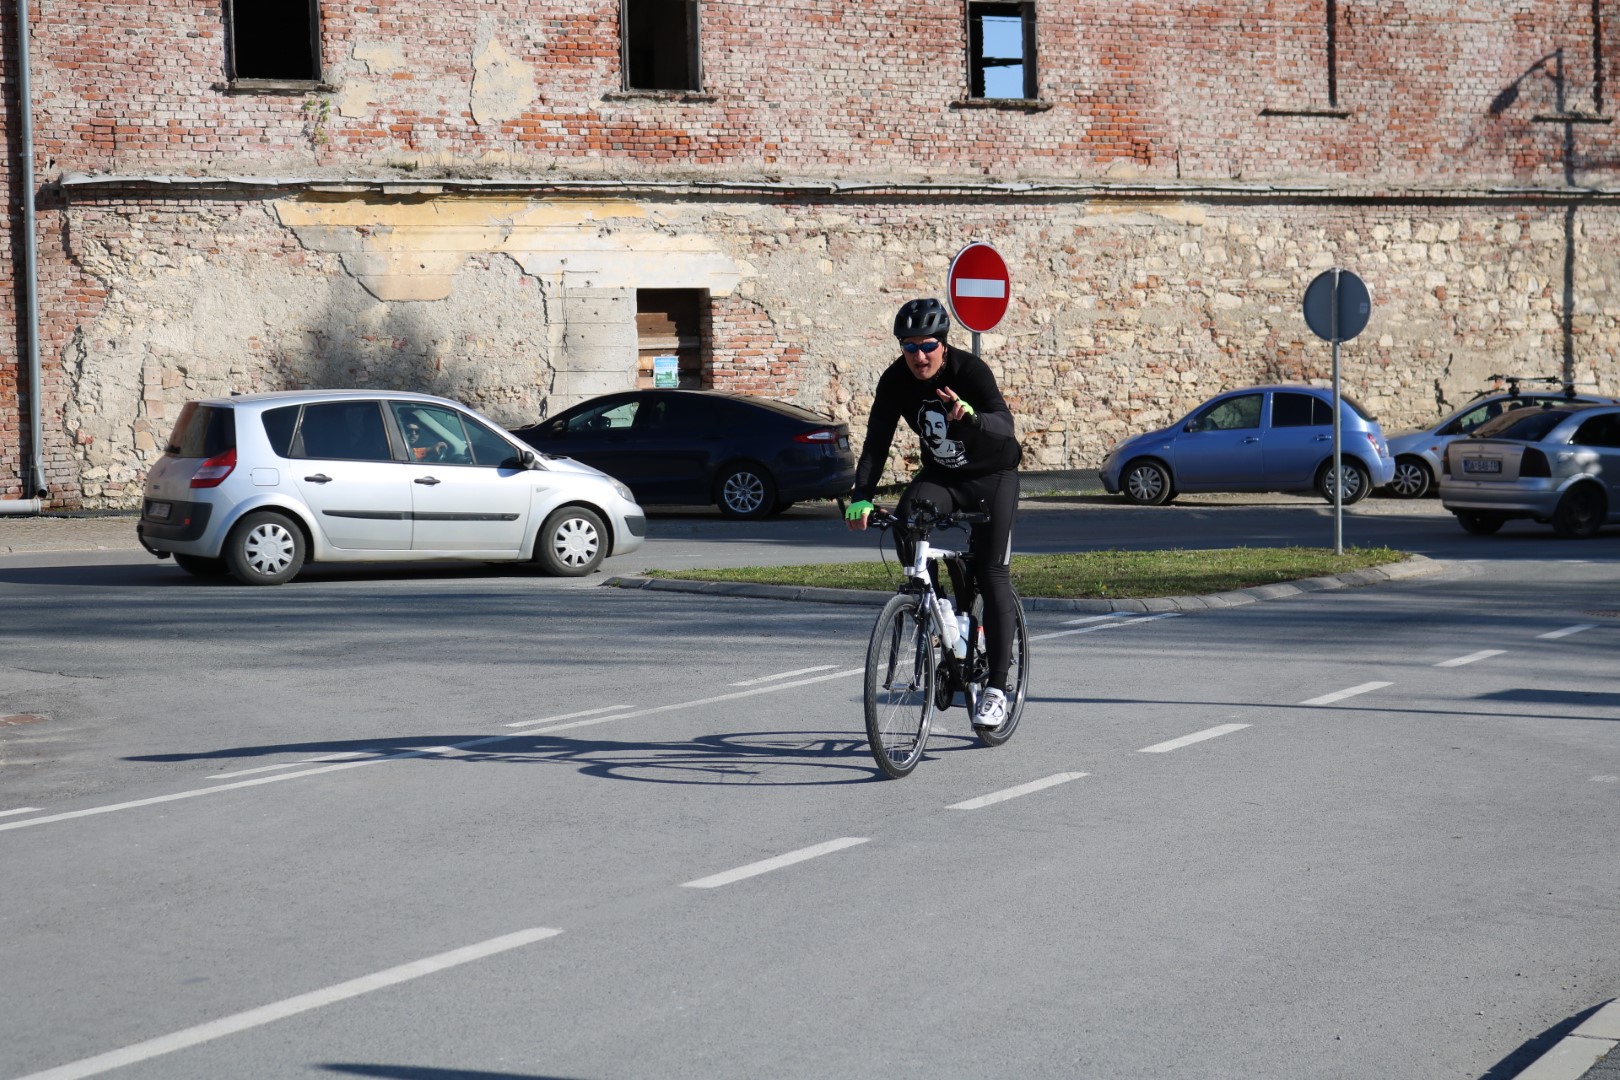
920 346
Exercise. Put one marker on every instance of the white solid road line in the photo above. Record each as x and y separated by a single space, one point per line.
1092 618
1188 740
348 756
280 1010
1013 792
341 766
1483 654
1135 620
19 810
783 675
1553 635
568 715
1340 695
765 866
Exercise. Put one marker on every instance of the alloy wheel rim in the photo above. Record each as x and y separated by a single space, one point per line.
269 549
1145 483
744 492
576 542
1408 478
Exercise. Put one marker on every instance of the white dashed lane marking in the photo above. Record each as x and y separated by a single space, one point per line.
765 866
1014 792
1340 695
1553 635
1483 654
19 810
1195 737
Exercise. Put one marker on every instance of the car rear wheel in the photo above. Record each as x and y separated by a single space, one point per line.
1356 481
201 566
1147 483
746 491
1480 524
572 542
265 549
1580 512
1412 479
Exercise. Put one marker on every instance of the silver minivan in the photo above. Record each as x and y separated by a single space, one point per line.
258 485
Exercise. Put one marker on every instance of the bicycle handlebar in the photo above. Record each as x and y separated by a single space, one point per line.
925 518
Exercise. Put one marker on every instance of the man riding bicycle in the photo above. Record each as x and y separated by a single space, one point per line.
970 457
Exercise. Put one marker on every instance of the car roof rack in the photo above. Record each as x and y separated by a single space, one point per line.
1513 381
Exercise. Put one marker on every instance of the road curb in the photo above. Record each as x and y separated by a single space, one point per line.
1411 567
1574 1055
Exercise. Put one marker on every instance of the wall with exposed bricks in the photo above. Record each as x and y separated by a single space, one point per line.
1185 171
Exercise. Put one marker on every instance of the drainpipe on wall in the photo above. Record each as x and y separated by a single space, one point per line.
35 477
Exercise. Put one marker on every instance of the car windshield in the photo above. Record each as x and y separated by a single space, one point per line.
1531 425
203 431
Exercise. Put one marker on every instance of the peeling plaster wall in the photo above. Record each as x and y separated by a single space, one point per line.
1125 313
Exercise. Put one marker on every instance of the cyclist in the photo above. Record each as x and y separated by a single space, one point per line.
970 457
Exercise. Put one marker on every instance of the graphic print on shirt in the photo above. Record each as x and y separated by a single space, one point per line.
933 424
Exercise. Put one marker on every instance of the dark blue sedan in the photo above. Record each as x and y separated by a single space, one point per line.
751 456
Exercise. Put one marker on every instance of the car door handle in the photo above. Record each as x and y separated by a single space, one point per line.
1324 438
1252 438
318 478
428 480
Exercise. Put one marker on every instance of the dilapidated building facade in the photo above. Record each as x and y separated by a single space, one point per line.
518 203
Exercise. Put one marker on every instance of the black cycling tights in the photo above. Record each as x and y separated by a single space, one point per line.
992 550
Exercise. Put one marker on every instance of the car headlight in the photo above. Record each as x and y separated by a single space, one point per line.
624 493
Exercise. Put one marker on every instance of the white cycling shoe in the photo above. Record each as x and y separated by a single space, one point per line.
992 709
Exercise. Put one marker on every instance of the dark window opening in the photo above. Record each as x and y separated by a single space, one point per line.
1299 410
274 39
659 39
1001 51
669 338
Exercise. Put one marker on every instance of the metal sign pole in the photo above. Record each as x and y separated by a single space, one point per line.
1338 466
975 343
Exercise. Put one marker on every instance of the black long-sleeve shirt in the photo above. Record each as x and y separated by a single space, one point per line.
976 445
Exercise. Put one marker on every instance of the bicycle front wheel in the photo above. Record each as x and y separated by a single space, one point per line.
900 678
1017 684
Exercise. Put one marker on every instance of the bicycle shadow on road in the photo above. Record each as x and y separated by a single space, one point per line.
769 758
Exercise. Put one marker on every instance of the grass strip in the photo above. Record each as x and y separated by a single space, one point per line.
1111 574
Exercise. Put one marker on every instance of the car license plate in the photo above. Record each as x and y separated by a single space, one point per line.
1481 465
158 511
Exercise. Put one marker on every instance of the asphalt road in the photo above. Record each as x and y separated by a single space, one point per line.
456 823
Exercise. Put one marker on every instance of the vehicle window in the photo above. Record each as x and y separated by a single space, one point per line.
611 416
488 448
1598 431
433 434
202 431
351 430
1230 415
1531 425
1299 410
279 425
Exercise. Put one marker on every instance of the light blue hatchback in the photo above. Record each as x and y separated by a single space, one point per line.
1260 438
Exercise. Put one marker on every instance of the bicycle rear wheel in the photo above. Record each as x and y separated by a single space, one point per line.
1017 684
899 691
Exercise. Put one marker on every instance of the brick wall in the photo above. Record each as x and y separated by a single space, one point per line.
1185 172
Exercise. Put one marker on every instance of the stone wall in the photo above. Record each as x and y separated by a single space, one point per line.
467 199
1126 311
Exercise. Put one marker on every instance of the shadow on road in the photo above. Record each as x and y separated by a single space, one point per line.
422 1072
773 758
1519 1060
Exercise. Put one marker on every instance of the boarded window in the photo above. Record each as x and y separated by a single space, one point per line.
1001 51
659 40
274 40
669 323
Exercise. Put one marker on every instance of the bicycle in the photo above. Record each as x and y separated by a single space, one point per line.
912 669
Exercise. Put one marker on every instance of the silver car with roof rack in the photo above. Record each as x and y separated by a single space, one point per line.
258 485
1557 465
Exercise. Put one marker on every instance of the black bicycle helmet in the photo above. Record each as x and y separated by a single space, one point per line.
923 317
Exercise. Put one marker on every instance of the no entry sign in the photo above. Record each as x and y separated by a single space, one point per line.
978 287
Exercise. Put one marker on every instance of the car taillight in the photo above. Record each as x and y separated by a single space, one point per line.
1534 463
213 471
819 435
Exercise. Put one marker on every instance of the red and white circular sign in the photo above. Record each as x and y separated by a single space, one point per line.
978 287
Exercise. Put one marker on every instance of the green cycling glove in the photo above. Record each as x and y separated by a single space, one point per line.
858 510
